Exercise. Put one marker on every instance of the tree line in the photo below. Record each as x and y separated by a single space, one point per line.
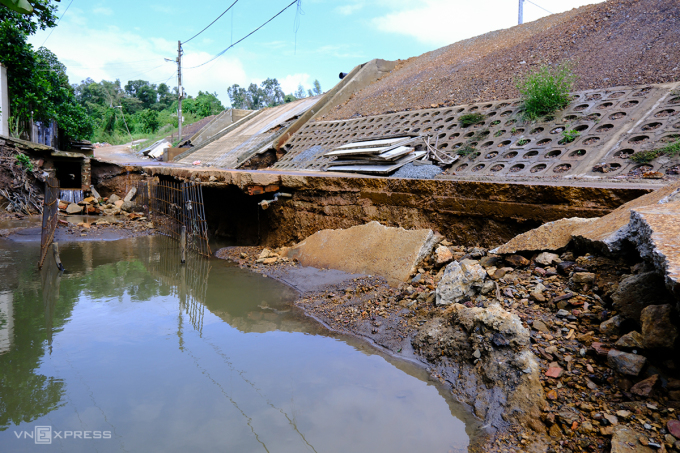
268 94
107 110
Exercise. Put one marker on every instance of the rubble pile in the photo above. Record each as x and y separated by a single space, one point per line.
114 212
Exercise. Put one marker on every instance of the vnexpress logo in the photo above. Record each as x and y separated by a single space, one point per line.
43 435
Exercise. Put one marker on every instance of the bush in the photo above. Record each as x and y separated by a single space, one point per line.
546 90
470 119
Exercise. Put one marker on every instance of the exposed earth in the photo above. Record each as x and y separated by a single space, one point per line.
616 43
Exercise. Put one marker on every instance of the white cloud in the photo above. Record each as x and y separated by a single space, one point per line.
110 53
351 8
289 84
442 22
103 11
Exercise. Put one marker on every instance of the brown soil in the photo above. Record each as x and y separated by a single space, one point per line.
620 42
584 404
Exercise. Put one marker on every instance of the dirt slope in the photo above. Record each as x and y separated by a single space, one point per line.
620 42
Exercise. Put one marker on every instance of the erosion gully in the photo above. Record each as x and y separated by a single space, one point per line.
128 350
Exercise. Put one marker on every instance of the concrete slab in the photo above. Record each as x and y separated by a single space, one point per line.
609 232
393 253
232 149
550 236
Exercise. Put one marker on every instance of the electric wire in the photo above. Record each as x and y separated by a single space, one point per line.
246 36
55 26
539 6
210 24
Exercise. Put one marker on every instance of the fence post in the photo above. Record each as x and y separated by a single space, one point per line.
183 243
55 250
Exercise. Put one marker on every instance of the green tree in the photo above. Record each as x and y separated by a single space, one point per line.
317 88
237 96
144 91
300 93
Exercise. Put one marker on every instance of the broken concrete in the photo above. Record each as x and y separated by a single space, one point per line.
460 280
393 253
551 236
655 231
609 233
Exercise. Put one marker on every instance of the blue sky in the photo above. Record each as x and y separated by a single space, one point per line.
128 39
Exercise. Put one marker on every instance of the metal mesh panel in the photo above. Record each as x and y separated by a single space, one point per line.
174 205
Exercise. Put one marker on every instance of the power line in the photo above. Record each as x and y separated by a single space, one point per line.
539 6
225 50
210 24
55 26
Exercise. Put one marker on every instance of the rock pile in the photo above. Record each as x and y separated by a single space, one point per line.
96 205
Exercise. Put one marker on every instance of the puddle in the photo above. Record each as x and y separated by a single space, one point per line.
139 353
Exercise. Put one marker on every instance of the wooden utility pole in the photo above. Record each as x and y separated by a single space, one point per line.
520 15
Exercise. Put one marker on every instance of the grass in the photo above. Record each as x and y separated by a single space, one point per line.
470 119
644 157
522 142
546 90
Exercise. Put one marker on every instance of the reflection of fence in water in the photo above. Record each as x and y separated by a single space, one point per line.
49 217
172 206
189 281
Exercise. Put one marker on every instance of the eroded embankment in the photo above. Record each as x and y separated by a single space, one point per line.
466 212
527 348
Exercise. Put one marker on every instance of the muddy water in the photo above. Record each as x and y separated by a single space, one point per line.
129 351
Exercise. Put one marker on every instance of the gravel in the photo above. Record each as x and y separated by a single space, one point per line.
616 43
417 171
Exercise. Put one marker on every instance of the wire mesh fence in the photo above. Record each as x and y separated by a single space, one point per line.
49 217
171 206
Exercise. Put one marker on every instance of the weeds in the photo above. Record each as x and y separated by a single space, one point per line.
522 142
470 119
569 135
24 161
644 157
546 90
466 150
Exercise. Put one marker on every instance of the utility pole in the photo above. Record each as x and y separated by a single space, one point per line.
520 16
180 90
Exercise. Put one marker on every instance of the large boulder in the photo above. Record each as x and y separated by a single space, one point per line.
658 329
637 291
393 253
488 361
460 280
626 363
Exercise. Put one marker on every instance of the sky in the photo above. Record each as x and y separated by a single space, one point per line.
129 40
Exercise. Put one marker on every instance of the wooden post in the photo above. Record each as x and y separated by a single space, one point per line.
183 244
55 251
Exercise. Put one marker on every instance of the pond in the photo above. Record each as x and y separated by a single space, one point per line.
130 351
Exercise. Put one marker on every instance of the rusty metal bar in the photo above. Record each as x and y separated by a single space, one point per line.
49 217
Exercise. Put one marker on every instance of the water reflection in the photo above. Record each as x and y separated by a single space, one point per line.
198 357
